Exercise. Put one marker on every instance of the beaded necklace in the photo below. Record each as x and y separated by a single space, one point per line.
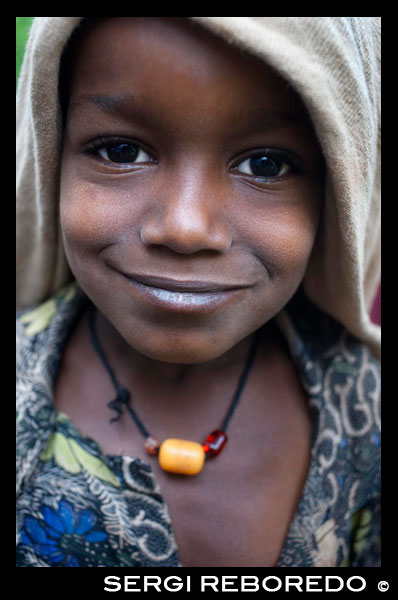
174 455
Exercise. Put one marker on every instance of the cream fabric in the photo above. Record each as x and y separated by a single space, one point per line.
333 63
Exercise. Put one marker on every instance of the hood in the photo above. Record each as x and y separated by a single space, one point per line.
334 65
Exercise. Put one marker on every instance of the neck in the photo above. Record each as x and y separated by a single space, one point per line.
124 358
176 397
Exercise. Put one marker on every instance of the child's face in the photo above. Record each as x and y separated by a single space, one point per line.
194 181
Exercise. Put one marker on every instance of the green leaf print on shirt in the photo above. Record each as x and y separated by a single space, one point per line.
71 457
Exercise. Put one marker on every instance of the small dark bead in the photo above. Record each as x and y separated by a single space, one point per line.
152 446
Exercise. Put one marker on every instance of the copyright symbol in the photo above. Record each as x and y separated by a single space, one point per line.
383 586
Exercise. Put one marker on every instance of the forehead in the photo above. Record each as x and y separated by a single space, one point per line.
171 61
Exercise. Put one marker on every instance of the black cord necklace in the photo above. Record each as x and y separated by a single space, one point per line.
174 455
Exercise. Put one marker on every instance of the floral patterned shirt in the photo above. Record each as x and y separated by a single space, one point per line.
77 507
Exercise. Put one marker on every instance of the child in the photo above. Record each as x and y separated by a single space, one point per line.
198 236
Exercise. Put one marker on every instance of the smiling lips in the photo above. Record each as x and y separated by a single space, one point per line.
183 296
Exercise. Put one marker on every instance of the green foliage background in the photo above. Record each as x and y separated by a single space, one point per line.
22 32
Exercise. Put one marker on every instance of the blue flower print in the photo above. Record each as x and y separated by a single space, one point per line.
62 535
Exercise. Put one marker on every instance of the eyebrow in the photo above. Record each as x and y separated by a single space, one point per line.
106 103
119 105
267 119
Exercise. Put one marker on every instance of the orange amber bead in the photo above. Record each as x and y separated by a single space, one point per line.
181 456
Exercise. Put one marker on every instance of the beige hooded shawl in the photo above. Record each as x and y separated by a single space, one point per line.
332 62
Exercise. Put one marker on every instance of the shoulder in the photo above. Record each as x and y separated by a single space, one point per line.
40 336
342 379
349 405
336 367
37 319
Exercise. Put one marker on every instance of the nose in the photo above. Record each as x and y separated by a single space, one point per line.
187 217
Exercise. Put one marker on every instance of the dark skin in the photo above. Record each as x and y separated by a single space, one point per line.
189 206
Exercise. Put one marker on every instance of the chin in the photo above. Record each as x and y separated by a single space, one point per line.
178 354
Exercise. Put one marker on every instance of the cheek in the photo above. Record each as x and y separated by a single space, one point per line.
286 239
89 219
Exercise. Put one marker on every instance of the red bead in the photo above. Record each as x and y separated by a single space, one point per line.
215 442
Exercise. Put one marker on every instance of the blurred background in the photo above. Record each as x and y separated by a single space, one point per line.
22 32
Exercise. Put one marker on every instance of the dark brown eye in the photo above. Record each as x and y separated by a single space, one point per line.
120 153
264 165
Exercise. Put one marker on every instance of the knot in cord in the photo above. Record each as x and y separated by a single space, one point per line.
122 398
